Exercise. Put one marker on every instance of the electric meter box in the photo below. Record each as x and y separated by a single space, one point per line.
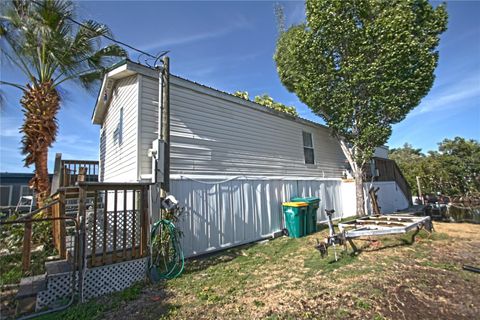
158 161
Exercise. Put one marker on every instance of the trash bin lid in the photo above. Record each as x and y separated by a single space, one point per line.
306 199
295 204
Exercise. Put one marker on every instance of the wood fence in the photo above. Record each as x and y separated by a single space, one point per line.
388 170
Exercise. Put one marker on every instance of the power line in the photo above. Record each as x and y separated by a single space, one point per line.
160 54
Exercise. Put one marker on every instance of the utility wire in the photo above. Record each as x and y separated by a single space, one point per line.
162 53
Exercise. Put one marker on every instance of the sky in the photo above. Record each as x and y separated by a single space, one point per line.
229 46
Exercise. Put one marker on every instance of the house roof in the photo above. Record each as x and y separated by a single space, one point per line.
127 68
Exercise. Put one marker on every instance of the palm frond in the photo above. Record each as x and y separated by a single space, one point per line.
103 56
43 41
89 79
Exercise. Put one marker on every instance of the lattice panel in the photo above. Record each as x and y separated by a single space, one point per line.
98 281
114 277
59 289
122 224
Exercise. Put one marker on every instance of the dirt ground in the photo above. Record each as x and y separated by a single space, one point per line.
391 278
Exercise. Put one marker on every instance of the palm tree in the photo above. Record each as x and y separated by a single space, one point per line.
42 39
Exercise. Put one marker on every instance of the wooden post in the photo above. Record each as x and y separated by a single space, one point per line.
59 229
105 228
124 243
134 231
419 190
82 247
81 174
143 222
94 230
374 200
63 228
166 121
115 199
27 246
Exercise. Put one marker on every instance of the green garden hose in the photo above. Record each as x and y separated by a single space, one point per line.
167 260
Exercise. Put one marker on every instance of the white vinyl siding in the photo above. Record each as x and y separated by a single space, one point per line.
149 120
215 136
210 135
118 142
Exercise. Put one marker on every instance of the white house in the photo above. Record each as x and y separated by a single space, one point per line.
233 162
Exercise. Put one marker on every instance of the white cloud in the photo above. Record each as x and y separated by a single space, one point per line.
238 23
450 98
72 139
9 127
10 133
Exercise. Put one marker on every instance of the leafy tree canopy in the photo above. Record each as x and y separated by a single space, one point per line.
362 65
454 169
267 101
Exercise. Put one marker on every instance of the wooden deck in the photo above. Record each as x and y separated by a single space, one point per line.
112 216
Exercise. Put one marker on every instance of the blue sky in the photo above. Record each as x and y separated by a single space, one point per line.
229 46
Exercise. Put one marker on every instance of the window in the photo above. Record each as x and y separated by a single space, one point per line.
25 191
5 196
120 127
308 148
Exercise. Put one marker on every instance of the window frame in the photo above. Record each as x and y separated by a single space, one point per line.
10 194
312 147
21 191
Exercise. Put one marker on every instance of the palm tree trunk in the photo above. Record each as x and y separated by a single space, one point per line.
40 106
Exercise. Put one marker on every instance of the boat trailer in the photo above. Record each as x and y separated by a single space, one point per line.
376 225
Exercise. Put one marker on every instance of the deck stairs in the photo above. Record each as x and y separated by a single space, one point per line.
31 287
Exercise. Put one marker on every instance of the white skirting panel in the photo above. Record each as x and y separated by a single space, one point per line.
223 214
390 197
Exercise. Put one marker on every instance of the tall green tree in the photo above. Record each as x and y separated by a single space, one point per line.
42 42
453 169
362 65
459 159
411 162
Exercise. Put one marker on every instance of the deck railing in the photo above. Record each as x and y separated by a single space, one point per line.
59 229
115 221
67 172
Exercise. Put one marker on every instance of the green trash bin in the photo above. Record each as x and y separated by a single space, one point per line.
295 214
311 217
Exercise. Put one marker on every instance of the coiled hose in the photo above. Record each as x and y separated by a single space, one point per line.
167 260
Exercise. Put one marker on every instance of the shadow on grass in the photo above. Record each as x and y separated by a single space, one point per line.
394 241
110 306
206 261
403 243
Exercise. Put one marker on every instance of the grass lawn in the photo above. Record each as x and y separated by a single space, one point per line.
287 279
